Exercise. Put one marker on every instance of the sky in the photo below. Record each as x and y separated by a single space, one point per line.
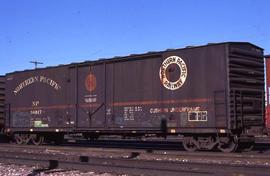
64 31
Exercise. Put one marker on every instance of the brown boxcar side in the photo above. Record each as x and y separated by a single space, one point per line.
130 95
267 112
212 89
2 101
39 99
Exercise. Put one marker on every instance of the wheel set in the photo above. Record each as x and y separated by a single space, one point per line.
25 139
225 144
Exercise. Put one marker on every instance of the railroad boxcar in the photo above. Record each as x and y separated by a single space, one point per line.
212 95
2 102
267 112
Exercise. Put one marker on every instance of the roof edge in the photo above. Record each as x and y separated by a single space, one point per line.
134 56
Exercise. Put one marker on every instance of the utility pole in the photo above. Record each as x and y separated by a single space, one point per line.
36 63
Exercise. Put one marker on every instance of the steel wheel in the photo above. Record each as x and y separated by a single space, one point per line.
228 146
18 139
246 147
189 144
21 138
37 139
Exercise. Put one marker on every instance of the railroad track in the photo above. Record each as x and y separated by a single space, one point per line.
129 165
134 162
260 151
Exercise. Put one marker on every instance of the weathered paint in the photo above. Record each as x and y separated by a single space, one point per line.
190 88
267 112
2 101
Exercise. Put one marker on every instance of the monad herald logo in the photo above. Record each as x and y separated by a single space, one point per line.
163 72
37 79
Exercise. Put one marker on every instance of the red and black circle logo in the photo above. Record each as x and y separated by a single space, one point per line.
90 82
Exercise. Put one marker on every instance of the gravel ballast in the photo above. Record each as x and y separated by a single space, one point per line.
21 170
